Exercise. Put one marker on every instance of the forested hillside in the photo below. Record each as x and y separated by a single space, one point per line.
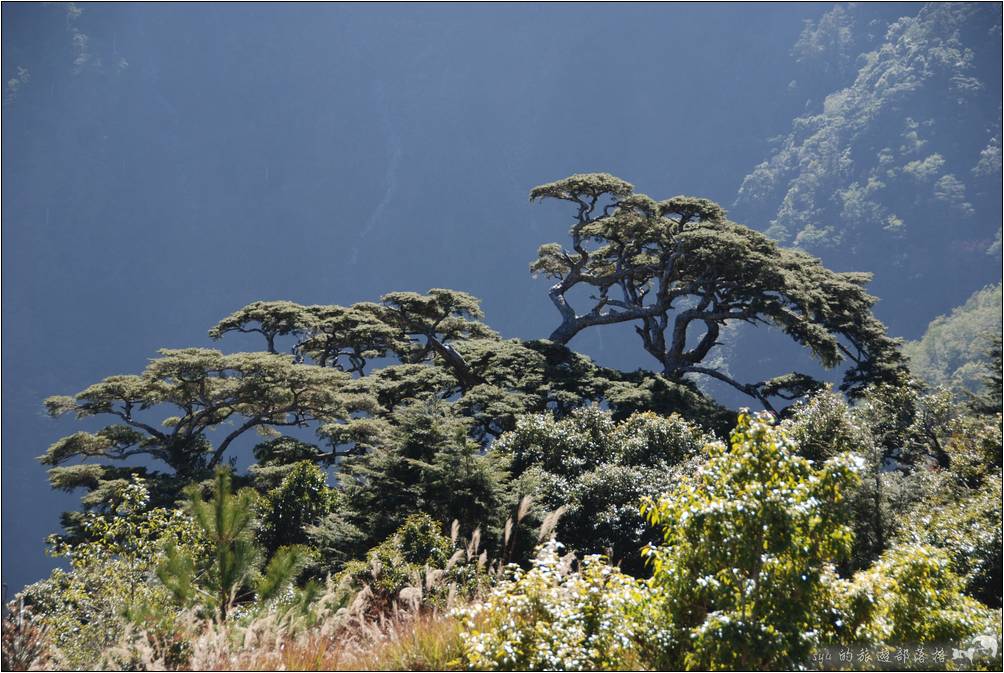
951 349
691 435
895 165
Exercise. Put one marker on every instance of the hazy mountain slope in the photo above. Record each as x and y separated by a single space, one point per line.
898 171
951 351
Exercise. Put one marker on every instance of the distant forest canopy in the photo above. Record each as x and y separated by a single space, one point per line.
950 351
895 166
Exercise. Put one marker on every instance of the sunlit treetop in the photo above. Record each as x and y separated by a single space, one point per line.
270 319
583 188
166 412
348 337
411 326
679 271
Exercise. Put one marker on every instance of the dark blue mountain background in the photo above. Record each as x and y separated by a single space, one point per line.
166 164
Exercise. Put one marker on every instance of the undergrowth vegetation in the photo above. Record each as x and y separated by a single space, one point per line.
750 565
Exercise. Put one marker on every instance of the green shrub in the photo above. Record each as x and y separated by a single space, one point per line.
285 512
974 449
968 529
596 471
430 465
747 542
647 439
110 584
417 564
911 596
568 447
551 618
824 426
230 569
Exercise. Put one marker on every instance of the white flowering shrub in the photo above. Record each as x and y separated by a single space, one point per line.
551 618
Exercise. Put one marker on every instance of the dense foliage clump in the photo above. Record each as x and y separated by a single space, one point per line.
596 471
747 544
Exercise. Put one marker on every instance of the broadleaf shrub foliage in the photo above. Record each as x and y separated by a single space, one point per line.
746 543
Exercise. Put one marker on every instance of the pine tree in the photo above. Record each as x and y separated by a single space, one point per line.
227 522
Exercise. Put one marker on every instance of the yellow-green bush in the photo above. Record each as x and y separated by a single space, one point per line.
110 584
967 526
911 595
747 543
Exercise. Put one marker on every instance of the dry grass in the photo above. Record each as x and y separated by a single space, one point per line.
428 643
408 634
421 642
25 644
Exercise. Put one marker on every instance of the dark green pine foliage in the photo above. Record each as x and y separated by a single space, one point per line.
275 458
300 501
232 570
431 466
